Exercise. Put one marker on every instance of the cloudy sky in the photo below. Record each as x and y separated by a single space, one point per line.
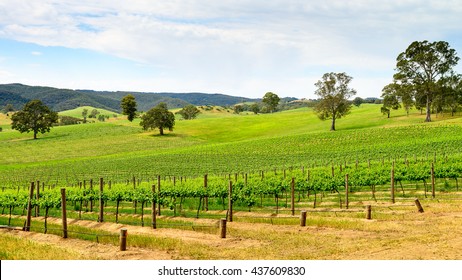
236 47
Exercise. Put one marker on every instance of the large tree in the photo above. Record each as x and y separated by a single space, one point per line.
128 105
334 91
271 100
35 117
158 117
425 65
390 95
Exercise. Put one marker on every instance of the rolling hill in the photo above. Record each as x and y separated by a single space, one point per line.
66 99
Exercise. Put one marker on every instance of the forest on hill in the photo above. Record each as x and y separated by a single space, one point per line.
65 99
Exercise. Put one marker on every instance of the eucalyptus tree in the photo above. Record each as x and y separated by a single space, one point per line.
334 92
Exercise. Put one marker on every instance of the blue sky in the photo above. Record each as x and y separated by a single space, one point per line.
236 47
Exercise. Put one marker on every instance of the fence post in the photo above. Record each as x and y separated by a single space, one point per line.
393 183
101 201
419 206
37 207
64 214
223 228
368 212
303 218
29 207
433 180
123 239
206 198
158 194
346 191
153 208
230 201
292 196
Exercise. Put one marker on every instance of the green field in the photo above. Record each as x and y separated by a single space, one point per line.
222 143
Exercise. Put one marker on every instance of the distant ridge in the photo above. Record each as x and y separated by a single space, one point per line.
67 99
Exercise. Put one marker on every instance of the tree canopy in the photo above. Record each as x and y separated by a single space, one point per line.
158 117
426 67
271 100
334 91
35 117
189 112
128 105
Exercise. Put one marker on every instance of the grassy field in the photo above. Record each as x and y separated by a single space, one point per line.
218 143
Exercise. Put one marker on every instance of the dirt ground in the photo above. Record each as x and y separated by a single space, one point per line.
392 234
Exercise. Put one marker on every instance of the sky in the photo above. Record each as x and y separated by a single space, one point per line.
236 47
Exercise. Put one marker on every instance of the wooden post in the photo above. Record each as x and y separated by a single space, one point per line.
223 228
419 206
292 196
206 198
158 194
393 183
101 201
303 218
153 208
433 180
123 239
245 180
368 212
29 207
346 191
37 197
63 210
230 202
91 200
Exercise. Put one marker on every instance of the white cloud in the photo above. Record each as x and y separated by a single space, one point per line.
238 45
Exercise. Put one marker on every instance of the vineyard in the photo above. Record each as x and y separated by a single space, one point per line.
113 173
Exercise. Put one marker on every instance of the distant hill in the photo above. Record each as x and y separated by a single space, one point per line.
66 99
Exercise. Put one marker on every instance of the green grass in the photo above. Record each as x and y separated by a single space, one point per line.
220 142
77 112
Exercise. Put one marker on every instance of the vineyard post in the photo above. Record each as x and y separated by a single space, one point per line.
245 180
346 191
37 207
101 201
333 170
303 218
91 200
368 212
230 202
63 210
29 207
158 194
419 206
153 208
292 196
393 183
223 228
433 180
123 239
206 198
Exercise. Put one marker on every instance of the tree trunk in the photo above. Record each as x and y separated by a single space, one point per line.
35 134
161 130
428 117
332 127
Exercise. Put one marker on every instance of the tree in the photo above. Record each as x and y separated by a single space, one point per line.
238 109
390 99
128 105
158 117
358 101
84 115
424 65
93 113
255 108
189 112
334 93
271 100
35 117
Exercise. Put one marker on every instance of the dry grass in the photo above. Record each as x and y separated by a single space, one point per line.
395 232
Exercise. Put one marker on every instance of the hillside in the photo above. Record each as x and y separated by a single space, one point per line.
66 99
